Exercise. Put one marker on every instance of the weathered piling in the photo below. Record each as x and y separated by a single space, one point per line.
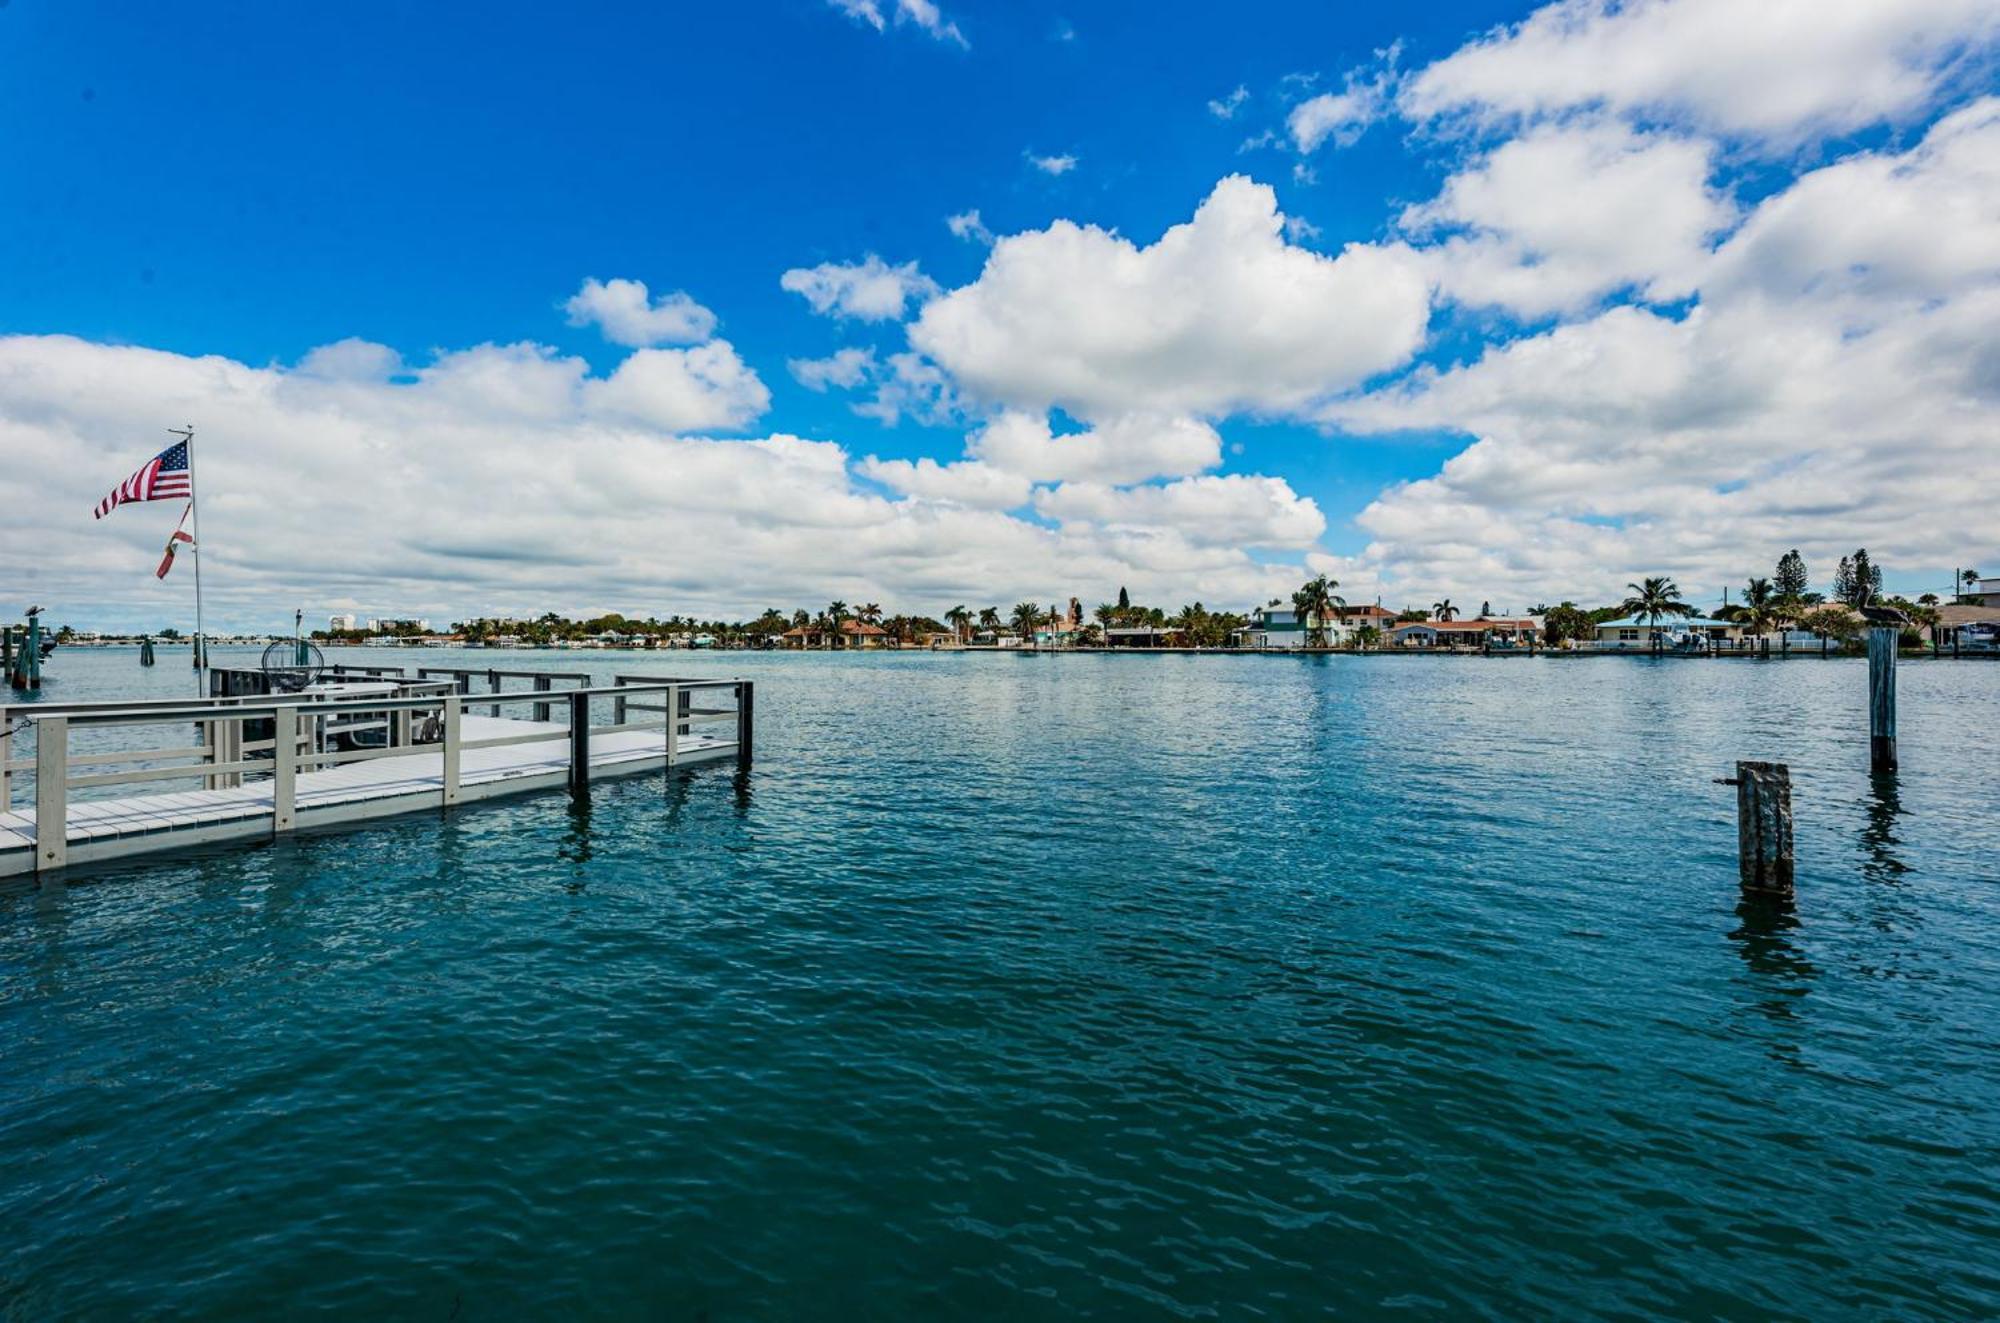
146 651
1882 640
1764 827
579 743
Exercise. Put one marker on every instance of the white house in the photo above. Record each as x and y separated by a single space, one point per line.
1278 628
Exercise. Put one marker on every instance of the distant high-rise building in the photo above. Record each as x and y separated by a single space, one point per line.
339 623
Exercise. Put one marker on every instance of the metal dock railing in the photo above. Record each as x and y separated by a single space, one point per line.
269 764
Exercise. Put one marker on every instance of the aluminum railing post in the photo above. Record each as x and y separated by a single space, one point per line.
51 793
284 768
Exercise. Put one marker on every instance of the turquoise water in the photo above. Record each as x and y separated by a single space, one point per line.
1106 986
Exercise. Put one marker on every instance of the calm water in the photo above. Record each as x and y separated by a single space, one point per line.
1128 986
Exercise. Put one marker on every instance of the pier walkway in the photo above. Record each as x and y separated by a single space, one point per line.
423 750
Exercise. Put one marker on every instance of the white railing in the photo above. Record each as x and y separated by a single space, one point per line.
226 755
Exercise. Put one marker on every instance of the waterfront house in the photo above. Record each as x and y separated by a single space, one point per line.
1638 634
1137 636
848 634
860 634
1279 629
1971 628
1507 632
1373 613
1982 592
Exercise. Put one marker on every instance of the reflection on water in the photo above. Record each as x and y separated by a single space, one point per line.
575 845
1879 841
1765 939
1104 986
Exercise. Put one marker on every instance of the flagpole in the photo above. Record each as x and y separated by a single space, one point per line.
186 434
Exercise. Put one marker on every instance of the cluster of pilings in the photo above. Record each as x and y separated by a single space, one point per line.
21 653
1764 790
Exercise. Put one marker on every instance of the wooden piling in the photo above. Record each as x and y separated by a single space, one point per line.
579 743
1882 640
1764 827
746 712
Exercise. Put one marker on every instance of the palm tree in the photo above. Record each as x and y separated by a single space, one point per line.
870 614
836 611
1106 614
1444 610
1760 602
1655 599
1315 605
989 617
960 621
1026 616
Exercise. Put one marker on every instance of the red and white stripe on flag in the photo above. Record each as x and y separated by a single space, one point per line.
164 477
174 545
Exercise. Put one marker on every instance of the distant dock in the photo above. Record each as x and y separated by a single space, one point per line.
363 744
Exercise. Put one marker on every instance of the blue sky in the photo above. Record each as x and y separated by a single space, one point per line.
252 182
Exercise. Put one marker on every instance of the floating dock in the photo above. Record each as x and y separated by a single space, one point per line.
360 747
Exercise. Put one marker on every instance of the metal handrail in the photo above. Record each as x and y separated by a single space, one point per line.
224 748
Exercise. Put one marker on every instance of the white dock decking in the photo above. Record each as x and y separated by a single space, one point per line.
101 829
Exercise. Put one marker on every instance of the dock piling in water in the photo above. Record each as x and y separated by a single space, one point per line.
1764 827
579 743
1882 641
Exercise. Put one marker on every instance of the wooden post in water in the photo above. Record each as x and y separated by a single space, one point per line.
541 687
1764 827
579 743
746 722
1882 640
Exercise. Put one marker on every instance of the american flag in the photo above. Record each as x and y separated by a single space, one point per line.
164 477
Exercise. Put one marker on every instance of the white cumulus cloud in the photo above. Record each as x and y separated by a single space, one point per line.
1556 219
1772 70
1125 449
870 290
1220 315
1219 509
706 388
844 368
963 482
622 310
1835 385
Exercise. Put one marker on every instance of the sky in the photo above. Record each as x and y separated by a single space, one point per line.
706 308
